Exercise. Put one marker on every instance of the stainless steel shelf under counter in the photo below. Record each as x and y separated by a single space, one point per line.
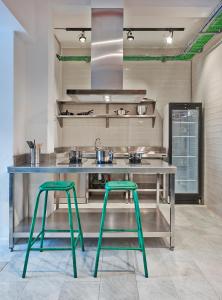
156 223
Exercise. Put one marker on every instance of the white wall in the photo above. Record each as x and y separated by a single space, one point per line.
27 93
24 12
6 124
207 87
55 92
20 94
165 82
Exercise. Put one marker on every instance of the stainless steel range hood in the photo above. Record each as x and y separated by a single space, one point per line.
107 59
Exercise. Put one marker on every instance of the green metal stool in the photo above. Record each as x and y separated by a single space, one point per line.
127 186
65 186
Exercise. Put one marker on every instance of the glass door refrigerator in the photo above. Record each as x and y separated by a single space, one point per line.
182 138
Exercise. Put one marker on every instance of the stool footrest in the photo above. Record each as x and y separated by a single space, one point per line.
121 248
51 249
59 230
120 230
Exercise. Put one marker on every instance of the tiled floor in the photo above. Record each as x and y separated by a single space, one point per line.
192 271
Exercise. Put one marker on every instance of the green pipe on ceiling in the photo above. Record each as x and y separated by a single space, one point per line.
162 58
215 25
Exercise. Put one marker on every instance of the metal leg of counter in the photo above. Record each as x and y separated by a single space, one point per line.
127 177
172 211
11 211
157 190
164 186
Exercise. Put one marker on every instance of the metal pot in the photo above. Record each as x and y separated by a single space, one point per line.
141 109
75 157
104 156
135 158
121 112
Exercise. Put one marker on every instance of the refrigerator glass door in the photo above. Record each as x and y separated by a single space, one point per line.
185 144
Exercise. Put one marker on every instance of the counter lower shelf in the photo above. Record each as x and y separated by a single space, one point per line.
153 221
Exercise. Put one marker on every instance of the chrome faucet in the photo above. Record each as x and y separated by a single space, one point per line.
98 144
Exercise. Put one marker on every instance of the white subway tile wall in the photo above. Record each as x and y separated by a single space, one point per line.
207 87
164 82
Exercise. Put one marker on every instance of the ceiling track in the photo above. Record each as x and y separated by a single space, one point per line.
126 28
212 27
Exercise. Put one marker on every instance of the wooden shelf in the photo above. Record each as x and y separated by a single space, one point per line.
106 116
61 117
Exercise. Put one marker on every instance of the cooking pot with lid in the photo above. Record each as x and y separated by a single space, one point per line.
135 158
104 156
75 156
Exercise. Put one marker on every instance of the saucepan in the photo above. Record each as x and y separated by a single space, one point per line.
104 156
135 157
75 157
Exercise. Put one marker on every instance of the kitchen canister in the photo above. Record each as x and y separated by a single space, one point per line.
35 154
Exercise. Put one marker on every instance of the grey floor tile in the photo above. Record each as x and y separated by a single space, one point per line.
215 282
44 262
117 261
42 289
194 287
118 286
181 266
85 265
11 290
2 265
155 263
157 289
78 290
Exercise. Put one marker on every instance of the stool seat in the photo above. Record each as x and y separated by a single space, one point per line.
57 186
120 185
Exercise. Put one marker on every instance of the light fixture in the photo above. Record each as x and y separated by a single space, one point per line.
130 36
169 38
82 37
107 98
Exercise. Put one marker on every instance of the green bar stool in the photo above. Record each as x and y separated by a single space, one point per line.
125 186
65 186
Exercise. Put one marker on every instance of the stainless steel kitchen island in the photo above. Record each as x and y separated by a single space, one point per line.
155 222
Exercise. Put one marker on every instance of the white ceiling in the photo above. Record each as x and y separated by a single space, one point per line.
190 14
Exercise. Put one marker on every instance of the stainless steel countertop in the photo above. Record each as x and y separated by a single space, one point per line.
151 166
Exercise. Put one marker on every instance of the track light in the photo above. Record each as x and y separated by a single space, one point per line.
82 37
169 38
130 36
